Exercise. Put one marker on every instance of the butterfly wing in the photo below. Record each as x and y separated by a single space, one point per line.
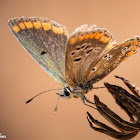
85 46
113 56
45 40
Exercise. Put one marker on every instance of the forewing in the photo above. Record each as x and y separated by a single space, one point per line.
85 46
45 40
113 56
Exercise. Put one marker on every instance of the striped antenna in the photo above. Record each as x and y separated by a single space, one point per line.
42 93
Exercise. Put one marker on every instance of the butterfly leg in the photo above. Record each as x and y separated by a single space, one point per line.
83 100
84 97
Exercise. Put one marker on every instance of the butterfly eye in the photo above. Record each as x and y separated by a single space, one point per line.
66 92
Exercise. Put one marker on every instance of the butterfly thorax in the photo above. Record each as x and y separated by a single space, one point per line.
77 91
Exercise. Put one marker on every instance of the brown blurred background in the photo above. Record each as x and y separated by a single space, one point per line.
22 78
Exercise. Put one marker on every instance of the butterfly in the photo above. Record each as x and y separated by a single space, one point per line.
76 61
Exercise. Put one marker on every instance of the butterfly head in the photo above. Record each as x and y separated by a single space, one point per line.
66 92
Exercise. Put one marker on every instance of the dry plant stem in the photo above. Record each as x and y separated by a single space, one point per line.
129 103
108 130
130 86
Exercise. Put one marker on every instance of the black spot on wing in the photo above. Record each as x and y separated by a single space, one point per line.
43 52
77 59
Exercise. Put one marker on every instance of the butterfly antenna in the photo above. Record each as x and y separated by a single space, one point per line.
41 93
55 109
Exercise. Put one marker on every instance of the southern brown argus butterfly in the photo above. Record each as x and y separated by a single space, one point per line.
76 62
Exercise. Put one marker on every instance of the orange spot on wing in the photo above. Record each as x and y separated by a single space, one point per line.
37 24
135 42
65 32
105 39
28 24
134 48
55 29
124 59
119 45
130 53
98 35
16 28
126 43
87 36
21 25
81 37
102 38
46 26
60 30
73 40
92 35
